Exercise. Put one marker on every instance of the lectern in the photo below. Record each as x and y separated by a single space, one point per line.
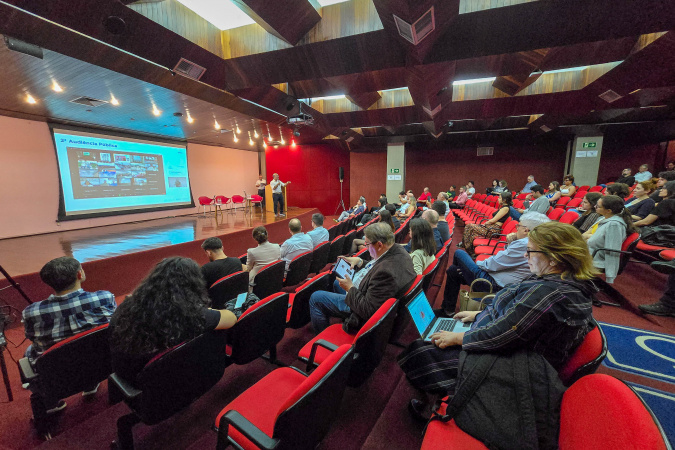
269 199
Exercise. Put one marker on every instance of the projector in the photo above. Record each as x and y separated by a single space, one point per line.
300 119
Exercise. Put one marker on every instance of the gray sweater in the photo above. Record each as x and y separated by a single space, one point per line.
610 234
540 205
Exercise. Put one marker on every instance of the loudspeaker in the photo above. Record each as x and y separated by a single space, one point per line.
342 173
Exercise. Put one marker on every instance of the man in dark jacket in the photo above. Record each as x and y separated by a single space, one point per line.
389 274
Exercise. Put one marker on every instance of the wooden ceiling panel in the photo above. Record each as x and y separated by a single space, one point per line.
289 20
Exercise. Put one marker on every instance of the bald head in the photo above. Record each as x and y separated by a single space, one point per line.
431 216
295 226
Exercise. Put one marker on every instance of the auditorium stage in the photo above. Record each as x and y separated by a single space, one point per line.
117 257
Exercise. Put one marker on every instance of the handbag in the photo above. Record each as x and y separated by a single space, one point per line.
472 300
251 299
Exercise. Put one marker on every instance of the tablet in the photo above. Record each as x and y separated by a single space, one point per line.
343 268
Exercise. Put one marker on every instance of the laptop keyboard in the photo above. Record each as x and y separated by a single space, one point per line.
445 325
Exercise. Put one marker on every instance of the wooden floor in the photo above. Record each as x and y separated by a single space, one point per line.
28 254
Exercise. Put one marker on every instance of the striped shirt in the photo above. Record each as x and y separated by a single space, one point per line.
545 314
57 318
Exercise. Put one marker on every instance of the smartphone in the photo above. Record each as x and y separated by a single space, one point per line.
343 268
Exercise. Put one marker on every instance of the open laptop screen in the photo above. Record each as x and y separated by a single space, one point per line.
421 312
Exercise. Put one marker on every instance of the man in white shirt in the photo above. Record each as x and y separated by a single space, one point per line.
318 234
644 174
470 190
277 196
297 244
260 186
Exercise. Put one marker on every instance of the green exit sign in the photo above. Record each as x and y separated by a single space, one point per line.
590 144
394 170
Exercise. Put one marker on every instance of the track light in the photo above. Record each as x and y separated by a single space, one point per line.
56 87
235 137
155 111
114 101
250 140
189 118
216 125
30 99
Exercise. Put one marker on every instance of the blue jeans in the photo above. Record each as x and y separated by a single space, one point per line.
462 271
323 305
515 214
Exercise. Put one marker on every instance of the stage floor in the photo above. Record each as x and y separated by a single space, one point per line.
28 254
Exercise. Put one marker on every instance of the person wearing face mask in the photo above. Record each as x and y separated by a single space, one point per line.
389 274
640 205
549 313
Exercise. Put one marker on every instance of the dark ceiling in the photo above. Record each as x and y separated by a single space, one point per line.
622 53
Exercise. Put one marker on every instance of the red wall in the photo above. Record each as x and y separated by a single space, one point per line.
313 171
368 173
617 156
436 167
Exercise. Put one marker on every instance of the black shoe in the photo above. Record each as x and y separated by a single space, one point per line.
417 410
658 309
667 267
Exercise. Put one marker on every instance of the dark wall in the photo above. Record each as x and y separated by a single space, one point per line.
313 170
368 173
617 156
437 167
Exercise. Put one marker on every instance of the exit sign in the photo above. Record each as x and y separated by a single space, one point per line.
394 170
590 144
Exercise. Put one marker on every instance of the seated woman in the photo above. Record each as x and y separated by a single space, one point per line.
609 233
664 212
549 313
359 244
640 205
492 189
568 189
503 187
422 245
406 208
553 193
588 215
619 189
258 257
170 306
492 226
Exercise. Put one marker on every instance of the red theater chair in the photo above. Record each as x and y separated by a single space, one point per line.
569 217
298 303
319 258
258 330
369 344
556 214
402 317
256 200
73 365
287 409
203 203
270 279
596 189
298 270
170 382
228 288
336 247
586 358
238 200
574 203
562 201
349 238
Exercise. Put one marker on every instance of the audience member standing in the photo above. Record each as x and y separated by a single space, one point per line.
220 264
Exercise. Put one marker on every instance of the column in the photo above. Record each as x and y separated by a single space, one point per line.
395 170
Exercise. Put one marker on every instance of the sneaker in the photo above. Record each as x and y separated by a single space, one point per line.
282 215
60 407
91 392
658 309
666 267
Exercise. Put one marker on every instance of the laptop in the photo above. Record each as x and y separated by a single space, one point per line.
427 323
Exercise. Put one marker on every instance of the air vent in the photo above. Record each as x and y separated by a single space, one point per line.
189 69
416 32
610 96
545 129
88 101
485 151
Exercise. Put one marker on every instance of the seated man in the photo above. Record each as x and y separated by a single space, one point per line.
460 200
357 209
442 226
540 203
528 186
470 189
318 234
626 177
70 310
389 274
451 193
506 267
220 264
424 198
430 216
643 174
298 243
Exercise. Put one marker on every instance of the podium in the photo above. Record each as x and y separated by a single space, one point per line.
269 199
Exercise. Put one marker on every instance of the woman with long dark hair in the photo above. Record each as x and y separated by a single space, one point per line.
664 212
494 225
553 193
588 215
422 245
609 233
170 306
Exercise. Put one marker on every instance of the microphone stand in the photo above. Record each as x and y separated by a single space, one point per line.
342 203
15 285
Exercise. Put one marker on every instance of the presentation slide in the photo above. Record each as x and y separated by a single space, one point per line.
106 175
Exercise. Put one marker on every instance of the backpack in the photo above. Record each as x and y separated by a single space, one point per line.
659 235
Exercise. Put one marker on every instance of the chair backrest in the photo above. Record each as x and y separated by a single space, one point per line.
586 358
336 247
179 376
596 189
562 201
569 217
260 328
228 288
299 315
601 412
371 342
332 232
580 195
628 245
222 199
76 363
349 238
319 257
574 203
256 198
402 316
270 279
238 199
584 188
306 415
556 213
429 274
205 200
298 269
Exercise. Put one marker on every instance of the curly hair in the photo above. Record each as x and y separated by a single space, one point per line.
163 311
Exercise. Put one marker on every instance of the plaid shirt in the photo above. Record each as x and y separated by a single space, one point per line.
57 318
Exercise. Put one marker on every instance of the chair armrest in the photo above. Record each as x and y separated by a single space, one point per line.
245 427
610 250
123 390
315 346
26 371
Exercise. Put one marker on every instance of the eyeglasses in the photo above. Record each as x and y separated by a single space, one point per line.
528 251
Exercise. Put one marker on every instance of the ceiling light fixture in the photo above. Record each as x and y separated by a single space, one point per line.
30 99
56 87
114 101
216 125
234 135
250 140
255 134
237 125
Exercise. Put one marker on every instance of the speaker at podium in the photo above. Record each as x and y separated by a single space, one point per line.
269 199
